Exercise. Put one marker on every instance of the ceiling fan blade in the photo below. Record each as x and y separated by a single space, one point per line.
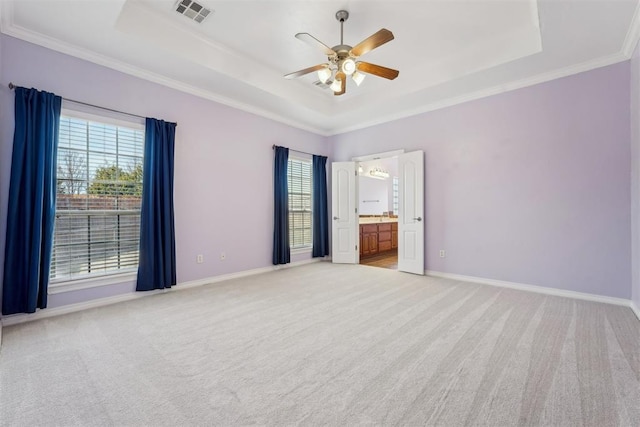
377 70
310 40
343 83
376 40
305 71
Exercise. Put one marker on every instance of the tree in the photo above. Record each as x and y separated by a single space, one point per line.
135 178
72 173
114 181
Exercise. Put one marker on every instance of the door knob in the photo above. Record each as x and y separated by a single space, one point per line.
335 218
418 219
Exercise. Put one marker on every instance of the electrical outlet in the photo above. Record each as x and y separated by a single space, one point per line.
223 256
442 253
200 259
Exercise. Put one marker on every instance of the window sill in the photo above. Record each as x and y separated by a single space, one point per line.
304 250
94 282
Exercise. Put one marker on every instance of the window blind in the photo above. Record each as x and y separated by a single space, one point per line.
299 186
99 190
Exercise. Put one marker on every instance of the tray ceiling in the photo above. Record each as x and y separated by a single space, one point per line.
447 51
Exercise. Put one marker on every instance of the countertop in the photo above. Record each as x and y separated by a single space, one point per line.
376 220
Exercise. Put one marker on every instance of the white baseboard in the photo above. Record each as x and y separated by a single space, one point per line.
14 319
534 288
71 308
245 273
635 309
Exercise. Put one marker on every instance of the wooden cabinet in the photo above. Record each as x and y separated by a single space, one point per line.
376 238
394 235
368 239
384 237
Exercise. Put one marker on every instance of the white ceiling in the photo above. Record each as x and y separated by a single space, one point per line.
447 51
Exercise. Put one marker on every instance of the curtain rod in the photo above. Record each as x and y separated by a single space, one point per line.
12 86
273 147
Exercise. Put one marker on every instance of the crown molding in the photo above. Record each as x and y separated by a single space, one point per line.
495 90
8 27
219 50
39 39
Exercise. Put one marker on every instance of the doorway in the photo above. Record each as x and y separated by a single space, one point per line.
378 203
347 243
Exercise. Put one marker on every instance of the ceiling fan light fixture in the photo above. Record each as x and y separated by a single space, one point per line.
348 66
324 74
357 77
336 86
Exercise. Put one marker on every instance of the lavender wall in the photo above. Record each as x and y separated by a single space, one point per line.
635 176
223 171
530 186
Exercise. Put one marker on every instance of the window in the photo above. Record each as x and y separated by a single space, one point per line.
299 183
99 191
395 196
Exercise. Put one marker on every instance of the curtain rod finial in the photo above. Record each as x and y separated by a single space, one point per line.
11 85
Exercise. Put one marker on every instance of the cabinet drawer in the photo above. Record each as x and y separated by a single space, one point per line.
384 246
369 228
384 227
384 236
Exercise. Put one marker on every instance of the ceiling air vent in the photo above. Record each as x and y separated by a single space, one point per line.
192 10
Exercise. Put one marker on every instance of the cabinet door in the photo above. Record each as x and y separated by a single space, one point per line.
364 244
394 239
384 240
373 243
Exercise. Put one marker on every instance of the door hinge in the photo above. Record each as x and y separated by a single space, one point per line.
356 210
356 247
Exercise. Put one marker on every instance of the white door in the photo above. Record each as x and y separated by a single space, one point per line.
344 201
411 212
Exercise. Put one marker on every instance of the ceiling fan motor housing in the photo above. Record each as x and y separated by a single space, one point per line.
342 50
343 59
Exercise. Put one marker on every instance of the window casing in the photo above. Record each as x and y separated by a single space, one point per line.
299 181
98 200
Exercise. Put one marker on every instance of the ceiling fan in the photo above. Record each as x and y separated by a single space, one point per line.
343 59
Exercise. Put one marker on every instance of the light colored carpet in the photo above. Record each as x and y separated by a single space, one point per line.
328 344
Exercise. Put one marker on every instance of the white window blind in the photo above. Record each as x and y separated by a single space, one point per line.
99 190
395 195
299 184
